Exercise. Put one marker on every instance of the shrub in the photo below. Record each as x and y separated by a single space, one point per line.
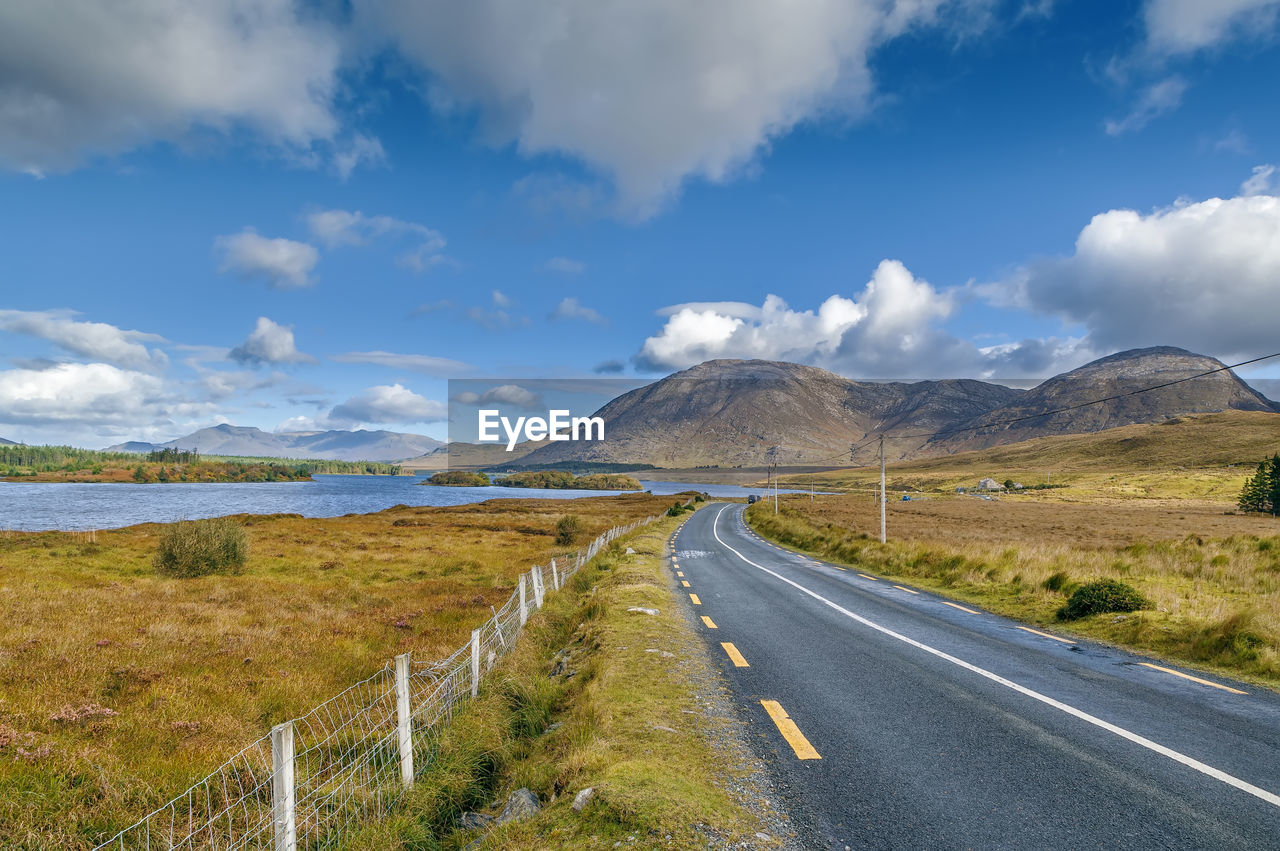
201 547
1102 595
675 510
1057 581
568 528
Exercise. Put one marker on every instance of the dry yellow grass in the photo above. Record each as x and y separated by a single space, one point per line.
120 687
1214 577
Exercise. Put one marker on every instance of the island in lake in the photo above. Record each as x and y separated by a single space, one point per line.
545 479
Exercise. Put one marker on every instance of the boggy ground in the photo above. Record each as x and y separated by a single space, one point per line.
118 687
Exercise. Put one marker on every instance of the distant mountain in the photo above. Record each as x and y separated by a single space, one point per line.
457 455
8 442
334 445
1114 375
730 412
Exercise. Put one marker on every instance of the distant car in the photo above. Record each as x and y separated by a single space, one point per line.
751 500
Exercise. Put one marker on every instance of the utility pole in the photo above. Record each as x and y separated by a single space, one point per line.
773 470
882 498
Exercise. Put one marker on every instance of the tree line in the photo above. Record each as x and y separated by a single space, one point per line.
1261 491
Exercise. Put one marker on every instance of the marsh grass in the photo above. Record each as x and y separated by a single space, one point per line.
193 669
1215 601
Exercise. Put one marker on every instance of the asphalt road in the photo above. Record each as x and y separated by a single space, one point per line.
893 719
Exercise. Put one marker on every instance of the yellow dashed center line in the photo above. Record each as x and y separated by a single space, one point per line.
710 624
1193 679
1045 635
737 658
789 730
694 598
908 590
684 583
679 573
960 607
872 578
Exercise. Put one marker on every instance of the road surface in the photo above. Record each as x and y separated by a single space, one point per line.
895 719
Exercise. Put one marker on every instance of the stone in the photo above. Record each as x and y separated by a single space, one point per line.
630 551
520 805
583 798
474 821
641 610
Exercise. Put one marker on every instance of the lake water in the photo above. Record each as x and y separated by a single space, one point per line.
30 506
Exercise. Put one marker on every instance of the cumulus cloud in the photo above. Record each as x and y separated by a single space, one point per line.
337 228
1156 100
565 266
503 394
269 343
650 93
1199 275
384 404
571 308
885 329
361 149
89 77
93 340
426 364
90 400
284 263
1184 26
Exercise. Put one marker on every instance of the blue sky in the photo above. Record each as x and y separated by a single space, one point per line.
310 216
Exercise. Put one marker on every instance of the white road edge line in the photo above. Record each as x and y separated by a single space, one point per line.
1217 774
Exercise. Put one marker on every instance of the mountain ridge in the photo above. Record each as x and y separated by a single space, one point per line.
332 445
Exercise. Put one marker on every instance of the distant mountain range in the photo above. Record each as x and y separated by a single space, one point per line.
333 445
4 442
730 412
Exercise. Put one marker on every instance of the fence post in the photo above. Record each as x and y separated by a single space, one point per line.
555 576
475 662
524 605
284 819
535 573
404 720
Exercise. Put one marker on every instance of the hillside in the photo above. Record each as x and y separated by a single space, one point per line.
728 413
458 455
1116 374
1204 455
335 445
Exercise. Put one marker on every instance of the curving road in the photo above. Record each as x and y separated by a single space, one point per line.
895 719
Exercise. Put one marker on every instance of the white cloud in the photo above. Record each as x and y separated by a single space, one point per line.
383 404
284 263
94 340
85 77
1156 100
885 330
426 364
361 149
269 343
571 308
565 266
1197 275
501 299
87 401
1184 26
503 394
337 228
650 92
1260 182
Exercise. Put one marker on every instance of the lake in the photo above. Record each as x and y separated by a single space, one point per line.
32 507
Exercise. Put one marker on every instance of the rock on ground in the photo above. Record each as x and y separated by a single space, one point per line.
520 805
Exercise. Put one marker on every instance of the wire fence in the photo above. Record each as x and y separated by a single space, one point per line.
305 783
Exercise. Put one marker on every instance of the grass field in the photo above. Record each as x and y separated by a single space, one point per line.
119 687
627 723
1213 575
1203 456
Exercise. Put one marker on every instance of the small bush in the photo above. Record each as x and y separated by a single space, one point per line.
1102 595
201 547
1057 581
568 528
675 510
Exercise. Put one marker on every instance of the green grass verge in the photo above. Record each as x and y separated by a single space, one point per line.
653 786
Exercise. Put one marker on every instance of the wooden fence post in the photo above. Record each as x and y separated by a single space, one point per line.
524 605
404 720
555 576
283 803
475 662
